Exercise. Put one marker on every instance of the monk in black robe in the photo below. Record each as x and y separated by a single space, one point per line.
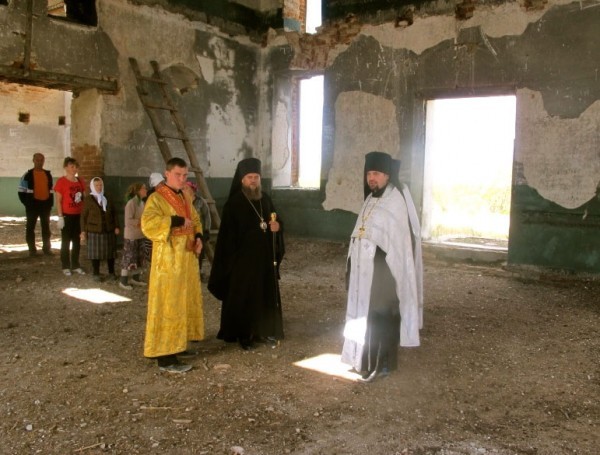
245 270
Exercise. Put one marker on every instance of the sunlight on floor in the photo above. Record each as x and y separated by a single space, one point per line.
95 295
23 247
9 221
329 364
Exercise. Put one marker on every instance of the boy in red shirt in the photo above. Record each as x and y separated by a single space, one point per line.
69 191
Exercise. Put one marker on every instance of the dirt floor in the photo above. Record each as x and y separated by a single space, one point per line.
506 366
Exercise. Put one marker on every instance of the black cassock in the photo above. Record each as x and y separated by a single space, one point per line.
243 275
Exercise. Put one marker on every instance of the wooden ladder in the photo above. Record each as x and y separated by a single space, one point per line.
144 83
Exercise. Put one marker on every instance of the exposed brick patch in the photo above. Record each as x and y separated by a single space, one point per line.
311 51
295 9
91 161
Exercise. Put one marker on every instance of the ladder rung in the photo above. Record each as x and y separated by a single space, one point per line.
152 79
180 135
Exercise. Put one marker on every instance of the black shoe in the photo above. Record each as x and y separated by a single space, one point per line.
188 353
246 344
269 341
32 254
373 375
48 253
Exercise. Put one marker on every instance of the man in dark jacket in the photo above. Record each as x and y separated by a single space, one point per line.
245 269
36 194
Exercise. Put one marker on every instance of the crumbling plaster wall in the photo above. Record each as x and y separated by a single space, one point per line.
12 27
65 52
549 57
504 48
560 157
56 45
216 91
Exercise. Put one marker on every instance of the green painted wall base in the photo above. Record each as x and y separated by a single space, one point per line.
10 205
303 215
544 234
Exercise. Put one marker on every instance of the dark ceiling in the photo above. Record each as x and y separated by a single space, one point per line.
230 16
252 17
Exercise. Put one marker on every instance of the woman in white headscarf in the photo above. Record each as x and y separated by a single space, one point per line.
100 227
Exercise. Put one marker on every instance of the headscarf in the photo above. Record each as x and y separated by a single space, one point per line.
246 166
155 179
381 162
99 196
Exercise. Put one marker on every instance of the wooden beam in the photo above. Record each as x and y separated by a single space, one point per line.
56 81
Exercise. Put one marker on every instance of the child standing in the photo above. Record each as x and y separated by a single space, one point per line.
99 224
133 243
69 192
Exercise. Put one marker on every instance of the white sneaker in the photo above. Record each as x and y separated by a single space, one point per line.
125 286
138 282
79 270
67 272
176 368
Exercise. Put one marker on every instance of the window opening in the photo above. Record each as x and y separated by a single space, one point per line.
313 15
310 127
80 11
468 170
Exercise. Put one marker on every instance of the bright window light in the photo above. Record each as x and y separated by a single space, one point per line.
468 170
311 127
313 15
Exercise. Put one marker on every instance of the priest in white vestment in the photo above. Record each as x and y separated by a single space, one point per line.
385 273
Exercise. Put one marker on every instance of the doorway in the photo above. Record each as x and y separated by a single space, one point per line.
468 171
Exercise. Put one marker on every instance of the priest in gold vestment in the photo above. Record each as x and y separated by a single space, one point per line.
175 313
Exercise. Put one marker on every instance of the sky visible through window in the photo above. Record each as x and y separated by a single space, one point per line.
313 15
311 127
468 167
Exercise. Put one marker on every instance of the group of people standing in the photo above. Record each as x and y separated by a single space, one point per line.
384 265
82 218
244 274
384 270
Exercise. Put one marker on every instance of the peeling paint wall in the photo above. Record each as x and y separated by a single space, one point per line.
215 83
499 48
379 72
549 57
569 177
57 46
217 98
363 122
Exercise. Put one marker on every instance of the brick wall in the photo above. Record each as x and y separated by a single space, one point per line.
296 10
91 162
